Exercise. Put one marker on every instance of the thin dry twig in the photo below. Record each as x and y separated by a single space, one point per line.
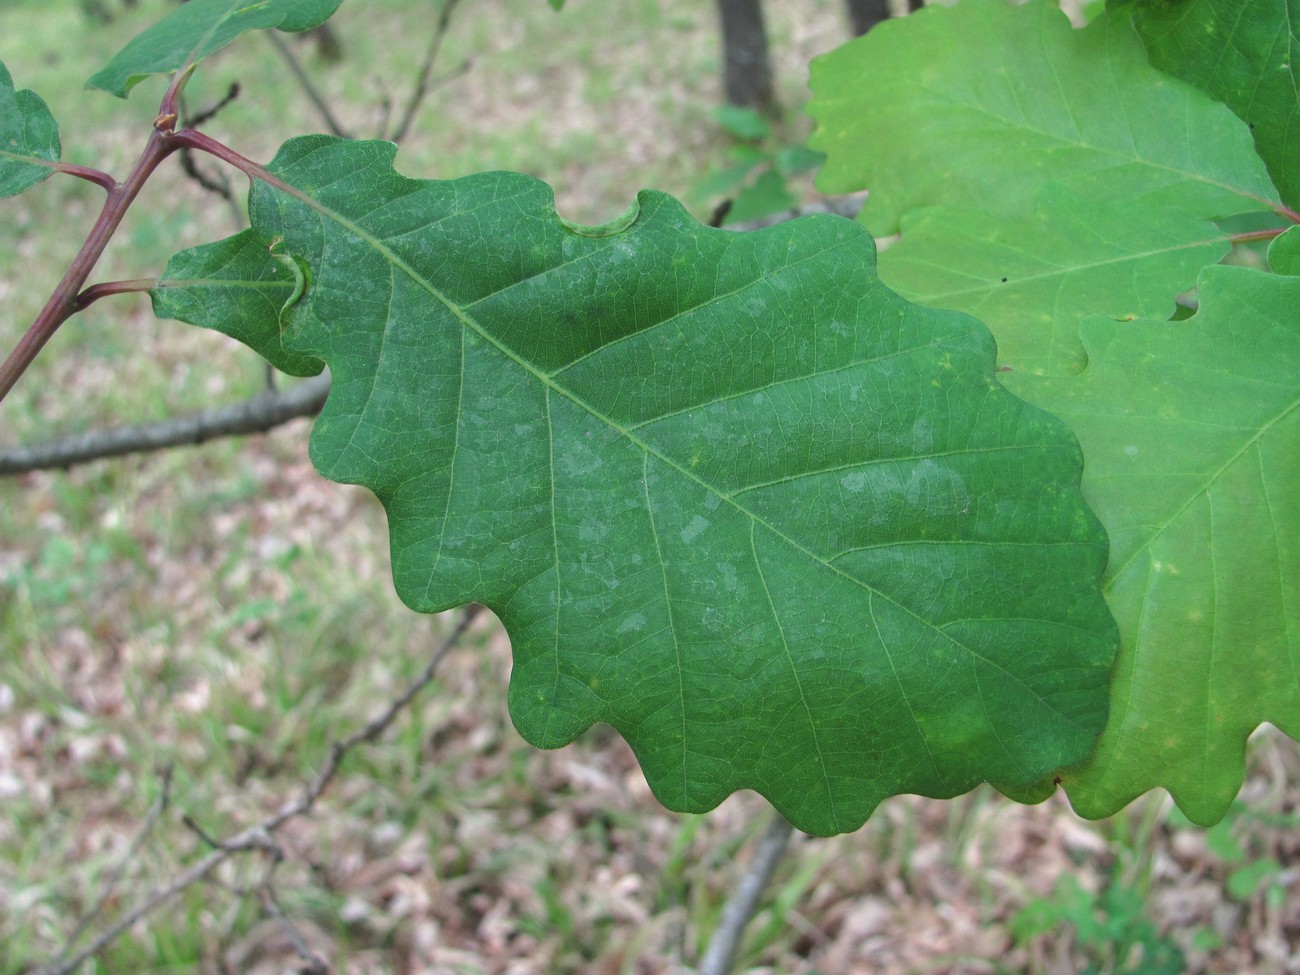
255 841
216 183
212 182
306 84
315 964
211 112
115 875
421 89
260 835
740 907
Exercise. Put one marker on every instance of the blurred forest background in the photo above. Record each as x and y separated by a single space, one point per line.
183 634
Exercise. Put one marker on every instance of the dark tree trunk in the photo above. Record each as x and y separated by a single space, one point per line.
329 47
866 14
748 73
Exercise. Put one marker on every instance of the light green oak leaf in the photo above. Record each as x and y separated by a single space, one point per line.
1191 439
981 105
1246 53
1033 279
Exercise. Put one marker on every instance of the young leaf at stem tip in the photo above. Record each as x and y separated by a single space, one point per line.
198 28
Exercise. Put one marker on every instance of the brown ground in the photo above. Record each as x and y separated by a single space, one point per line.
453 847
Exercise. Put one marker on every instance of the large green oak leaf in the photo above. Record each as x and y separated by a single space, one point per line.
1246 53
781 528
1191 439
29 138
199 28
982 105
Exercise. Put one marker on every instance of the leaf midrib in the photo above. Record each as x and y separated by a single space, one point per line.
28 160
1103 150
1058 272
1250 443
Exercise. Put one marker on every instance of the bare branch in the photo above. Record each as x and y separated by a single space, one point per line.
109 887
256 840
156 899
421 88
259 836
840 206
214 182
209 113
315 964
263 412
217 184
379 724
721 953
308 86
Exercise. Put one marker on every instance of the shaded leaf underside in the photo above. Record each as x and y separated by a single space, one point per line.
726 492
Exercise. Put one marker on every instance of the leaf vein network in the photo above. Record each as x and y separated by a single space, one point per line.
676 317
798 681
1207 483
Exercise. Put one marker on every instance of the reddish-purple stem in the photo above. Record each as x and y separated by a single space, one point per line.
87 173
69 297
169 108
97 291
193 139
63 302
1257 235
